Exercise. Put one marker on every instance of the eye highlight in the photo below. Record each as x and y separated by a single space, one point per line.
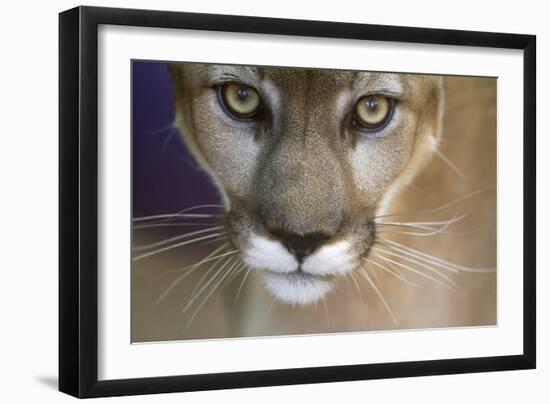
239 100
373 112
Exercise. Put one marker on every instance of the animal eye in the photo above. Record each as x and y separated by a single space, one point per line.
240 100
373 111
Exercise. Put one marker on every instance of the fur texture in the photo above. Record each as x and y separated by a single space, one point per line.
302 167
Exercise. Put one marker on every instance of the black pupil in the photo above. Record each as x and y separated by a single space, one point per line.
372 104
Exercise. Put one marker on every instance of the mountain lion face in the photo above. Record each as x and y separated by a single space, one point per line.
305 160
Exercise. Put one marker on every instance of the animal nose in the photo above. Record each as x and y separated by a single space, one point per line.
301 245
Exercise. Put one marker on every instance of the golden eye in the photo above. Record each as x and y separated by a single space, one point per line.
373 111
242 101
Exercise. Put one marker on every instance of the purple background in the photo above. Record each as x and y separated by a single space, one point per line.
165 177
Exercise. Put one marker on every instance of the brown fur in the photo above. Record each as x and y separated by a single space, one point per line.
302 167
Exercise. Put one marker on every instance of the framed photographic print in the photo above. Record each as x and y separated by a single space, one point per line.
250 201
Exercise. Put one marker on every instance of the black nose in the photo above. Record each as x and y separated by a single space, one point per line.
301 245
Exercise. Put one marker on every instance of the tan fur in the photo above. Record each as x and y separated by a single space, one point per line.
304 169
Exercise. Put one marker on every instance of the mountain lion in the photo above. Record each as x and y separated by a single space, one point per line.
313 168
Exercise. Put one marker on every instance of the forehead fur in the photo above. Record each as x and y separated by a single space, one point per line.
391 82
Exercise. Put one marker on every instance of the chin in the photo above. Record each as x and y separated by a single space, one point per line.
297 287
298 282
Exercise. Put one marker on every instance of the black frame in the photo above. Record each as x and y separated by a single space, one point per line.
78 175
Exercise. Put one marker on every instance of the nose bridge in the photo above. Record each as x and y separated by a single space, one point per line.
306 113
302 182
305 151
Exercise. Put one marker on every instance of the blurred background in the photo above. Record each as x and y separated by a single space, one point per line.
166 180
165 176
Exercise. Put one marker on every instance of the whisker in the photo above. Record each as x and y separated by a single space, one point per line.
236 269
356 287
204 281
426 224
440 208
436 260
412 233
165 128
347 282
206 274
215 239
430 230
177 245
421 264
241 285
206 299
176 238
196 293
435 232
415 271
325 307
363 315
453 167
370 261
344 291
415 254
197 207
406 225
386 305
175 215
271 308
154 225
407 233
190 269
206 260
373 273
208 205
168 139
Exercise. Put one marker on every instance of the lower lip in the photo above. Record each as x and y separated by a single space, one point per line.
304 275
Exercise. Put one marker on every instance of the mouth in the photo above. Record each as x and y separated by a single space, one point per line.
297 287
299 281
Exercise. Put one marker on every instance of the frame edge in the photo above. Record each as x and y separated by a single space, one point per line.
78 289
529 201
69 81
